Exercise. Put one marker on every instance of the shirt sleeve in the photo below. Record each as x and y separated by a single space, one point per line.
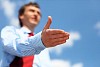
18 44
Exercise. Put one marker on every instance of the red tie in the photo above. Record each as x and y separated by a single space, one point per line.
26 61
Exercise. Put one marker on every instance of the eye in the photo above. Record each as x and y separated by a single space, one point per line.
39 13
32 10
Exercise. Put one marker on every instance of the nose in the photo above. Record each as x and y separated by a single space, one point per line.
35 15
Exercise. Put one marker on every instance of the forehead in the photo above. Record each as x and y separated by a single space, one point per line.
32 8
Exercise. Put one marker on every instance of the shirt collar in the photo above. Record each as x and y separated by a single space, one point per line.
25 30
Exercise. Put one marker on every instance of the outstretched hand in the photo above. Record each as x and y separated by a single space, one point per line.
53 37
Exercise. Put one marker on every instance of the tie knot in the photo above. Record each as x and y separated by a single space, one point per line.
31 34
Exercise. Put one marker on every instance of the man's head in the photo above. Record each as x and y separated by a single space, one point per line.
29 14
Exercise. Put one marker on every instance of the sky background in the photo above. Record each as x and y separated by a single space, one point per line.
81 18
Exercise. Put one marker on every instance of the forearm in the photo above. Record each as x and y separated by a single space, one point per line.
31 45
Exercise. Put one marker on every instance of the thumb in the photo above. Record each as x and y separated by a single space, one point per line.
48 22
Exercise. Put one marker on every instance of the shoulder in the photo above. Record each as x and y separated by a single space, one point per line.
7 29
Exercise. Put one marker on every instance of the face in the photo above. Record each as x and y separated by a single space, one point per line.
31 16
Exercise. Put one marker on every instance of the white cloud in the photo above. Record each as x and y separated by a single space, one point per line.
63 63
74 36
8 7
60 63
78 65
97 26
14 21
9 11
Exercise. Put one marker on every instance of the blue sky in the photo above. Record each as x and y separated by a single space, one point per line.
81 18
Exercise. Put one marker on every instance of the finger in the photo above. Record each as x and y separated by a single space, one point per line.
59 39
58 43
47 26
55 31
67 33
61 35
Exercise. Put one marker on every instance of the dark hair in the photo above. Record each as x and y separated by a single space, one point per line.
22 9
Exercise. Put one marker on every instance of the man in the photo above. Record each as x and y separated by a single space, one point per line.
20 46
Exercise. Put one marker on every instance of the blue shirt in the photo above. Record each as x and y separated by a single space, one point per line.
17 43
